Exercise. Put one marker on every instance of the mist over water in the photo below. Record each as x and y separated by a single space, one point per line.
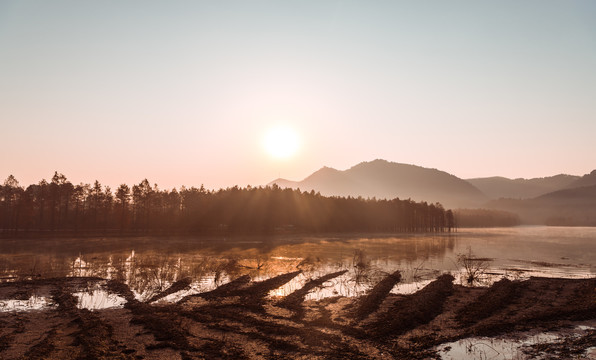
150 265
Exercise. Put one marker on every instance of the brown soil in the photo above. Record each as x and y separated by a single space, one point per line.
179 285
569 347
222 291
371 302
413 311
295 299
239 321
495 298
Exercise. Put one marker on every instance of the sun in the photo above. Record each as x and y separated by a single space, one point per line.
281 142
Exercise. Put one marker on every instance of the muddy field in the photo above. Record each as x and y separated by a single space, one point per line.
239 320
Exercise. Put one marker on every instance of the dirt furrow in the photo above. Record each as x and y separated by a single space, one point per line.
496 298
259 290
415 310
371 302
542 301
228 327
179 285
94 336
295 299
222 291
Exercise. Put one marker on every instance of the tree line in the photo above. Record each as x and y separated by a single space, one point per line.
486 218
60 207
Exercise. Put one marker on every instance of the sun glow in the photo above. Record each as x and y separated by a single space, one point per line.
281 142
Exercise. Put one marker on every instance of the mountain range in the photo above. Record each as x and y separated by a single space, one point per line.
501 187
560 200
383 179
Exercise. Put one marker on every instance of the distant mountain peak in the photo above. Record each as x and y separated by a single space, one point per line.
586 180
384 179
497 187
324 171
327 168
375 162
381 162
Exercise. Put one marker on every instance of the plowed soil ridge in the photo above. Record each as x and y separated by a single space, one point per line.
296 298
222 291
371 302
223 323
415 310
175 287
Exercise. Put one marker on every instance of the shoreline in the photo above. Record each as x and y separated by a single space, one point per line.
239 320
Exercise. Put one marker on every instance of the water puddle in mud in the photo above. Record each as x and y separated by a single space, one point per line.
97 298
517 348
346 285
33 303
204 284
409 288
356 281
332 287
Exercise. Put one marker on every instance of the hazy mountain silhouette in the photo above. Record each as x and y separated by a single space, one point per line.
501 187
327 181
586 180
571 206
384 179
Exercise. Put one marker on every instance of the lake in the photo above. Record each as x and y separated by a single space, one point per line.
149 265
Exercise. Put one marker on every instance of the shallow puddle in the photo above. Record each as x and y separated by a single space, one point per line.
97 298
490 348
205 284
506 348
33 303
409 288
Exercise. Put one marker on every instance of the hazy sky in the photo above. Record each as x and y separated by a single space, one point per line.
183 92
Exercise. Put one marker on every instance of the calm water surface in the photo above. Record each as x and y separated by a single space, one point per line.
150 265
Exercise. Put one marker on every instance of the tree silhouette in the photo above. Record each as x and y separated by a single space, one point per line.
123 198
10 193
61 208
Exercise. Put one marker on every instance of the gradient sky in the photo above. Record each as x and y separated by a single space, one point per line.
182 92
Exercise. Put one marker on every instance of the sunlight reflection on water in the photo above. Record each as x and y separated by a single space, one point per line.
504 348
98 298
150 265
33 303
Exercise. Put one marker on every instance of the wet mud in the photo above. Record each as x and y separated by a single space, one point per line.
179 285
240 320
296 298
371 302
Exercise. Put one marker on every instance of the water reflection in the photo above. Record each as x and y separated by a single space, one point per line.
504 348
33 303
96 297
150 265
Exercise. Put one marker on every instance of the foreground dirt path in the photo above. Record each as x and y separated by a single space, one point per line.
239 321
